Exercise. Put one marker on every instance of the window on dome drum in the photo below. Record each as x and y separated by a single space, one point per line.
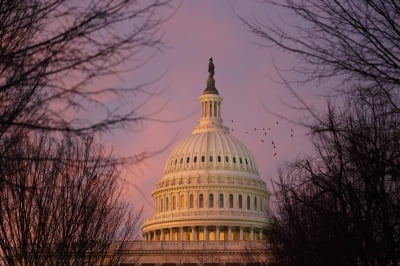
234 160
195 159
221 200
247 163
240 201
226 159
203 158
174 203
162 205
176 160
166 204
191 201
230 200
182 202
248 202
201 201
211 236
211 201
181 161
187 159
240 160
211 159
261 205
219 158
255 203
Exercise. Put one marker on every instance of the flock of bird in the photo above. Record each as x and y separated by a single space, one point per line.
264 133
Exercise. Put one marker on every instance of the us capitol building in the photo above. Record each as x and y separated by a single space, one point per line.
210 205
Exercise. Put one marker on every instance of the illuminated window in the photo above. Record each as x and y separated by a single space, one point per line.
211 236
211 200
191 201
182 201
240 201
248 202
221 200
201 201
230 200
174 202
200 235
222 235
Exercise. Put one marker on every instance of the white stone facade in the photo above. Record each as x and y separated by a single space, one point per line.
210 190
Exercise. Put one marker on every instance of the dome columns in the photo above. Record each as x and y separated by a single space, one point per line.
210 115
205 233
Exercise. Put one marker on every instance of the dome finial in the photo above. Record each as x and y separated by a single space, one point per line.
211 67
210 81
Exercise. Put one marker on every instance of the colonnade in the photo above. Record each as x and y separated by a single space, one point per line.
206 233
189 200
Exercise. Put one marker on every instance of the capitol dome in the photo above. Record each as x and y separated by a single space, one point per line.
211 150
210 189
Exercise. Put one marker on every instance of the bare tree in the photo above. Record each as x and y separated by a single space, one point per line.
355 42
342 205
63 211
54 53
59 194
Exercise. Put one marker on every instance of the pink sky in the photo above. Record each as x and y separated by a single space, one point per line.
244 75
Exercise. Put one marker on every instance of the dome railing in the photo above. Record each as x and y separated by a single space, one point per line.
209 214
